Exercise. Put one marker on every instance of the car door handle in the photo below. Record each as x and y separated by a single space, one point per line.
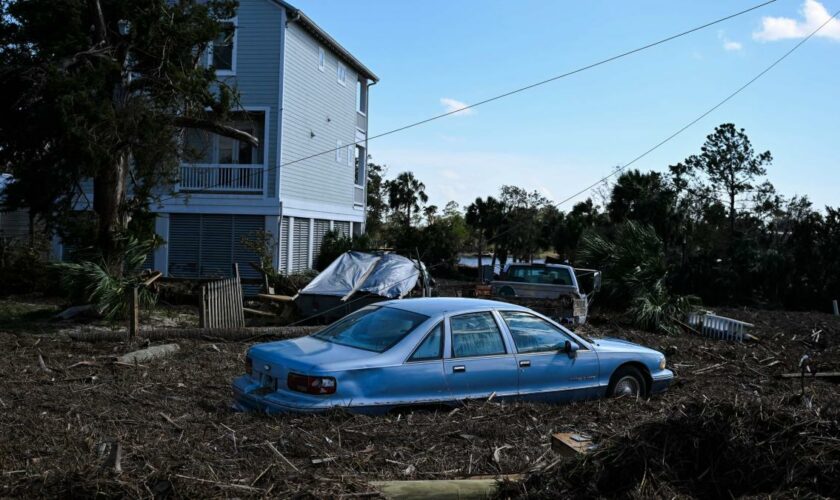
459 368
524 363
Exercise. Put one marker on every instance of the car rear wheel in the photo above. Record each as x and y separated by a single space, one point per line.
627 381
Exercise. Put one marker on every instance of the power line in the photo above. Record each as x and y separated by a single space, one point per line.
689 124
706 113
515 91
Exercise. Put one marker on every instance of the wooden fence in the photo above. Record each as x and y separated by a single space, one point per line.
220 304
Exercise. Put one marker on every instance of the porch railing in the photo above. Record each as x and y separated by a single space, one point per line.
361 121
222 178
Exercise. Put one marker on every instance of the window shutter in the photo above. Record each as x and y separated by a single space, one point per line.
300 245
216 245
184 245
284 244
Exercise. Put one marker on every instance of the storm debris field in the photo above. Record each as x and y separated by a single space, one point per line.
73 423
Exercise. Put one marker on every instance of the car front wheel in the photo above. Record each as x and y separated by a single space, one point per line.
627 381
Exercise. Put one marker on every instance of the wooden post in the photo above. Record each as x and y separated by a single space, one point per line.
202 307
133 313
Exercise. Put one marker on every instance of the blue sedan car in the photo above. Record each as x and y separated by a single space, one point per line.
441 351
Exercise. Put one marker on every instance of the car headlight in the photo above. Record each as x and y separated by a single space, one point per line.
662 363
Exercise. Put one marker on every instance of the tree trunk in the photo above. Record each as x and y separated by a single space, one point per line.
480 255
731 215
109 187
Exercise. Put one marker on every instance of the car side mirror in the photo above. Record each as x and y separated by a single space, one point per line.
570 348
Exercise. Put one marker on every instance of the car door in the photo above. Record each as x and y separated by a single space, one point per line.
546 373
480 360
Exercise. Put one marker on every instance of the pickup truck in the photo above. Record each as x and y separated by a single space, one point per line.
550 282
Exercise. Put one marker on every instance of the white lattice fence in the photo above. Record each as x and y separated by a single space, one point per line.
718 327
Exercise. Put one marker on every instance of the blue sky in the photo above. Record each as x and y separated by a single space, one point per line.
565 135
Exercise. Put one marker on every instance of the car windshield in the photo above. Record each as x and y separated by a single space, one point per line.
372 328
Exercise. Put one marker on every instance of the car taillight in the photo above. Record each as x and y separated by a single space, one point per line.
310 384
249 365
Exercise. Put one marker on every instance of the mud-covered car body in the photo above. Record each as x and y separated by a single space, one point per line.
444 351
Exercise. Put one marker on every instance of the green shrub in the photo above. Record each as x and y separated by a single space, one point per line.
95 282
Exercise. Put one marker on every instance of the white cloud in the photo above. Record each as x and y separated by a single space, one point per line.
453 105
729 45
813 14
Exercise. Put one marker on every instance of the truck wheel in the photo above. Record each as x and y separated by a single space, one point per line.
507 291
627 381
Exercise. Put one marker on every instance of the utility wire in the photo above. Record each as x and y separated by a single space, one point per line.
689 124
515 91
706 113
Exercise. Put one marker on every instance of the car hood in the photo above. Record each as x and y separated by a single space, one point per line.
619 345
309 353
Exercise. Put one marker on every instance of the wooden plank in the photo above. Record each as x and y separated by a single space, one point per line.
275 298
571 443
831 375
202 307
257 312
133 313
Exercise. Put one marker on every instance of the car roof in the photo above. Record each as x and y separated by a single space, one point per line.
432 306
549 265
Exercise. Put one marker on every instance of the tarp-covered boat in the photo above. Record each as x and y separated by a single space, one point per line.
356 279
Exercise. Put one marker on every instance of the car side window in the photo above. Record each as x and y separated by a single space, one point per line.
531 333
476 334
431 347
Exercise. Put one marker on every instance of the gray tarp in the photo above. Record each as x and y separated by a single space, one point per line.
388 275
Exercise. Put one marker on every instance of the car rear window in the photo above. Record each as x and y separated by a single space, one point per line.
540 275
374 329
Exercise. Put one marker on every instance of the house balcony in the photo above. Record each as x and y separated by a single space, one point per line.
224 179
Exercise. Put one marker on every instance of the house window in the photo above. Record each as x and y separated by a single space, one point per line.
350 155
223 49
341 72
361 97
207 148
322 57
339 148
360 166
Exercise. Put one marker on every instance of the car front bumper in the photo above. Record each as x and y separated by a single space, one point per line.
660 381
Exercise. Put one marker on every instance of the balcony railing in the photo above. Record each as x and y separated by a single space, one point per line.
361 121
222 179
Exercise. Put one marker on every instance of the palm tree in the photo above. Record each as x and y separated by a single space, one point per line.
405 194
485 217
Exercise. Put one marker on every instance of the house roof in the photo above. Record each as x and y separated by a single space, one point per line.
296 15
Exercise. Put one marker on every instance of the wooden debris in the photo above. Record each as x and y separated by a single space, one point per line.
461 489
277 452
72 312
232 334
149 353
43 365
571 443
151 279
257 312
275 298
831 375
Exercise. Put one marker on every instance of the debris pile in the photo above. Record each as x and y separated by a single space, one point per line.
77 424
706 451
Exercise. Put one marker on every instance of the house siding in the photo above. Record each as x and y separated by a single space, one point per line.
315 103
259 63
